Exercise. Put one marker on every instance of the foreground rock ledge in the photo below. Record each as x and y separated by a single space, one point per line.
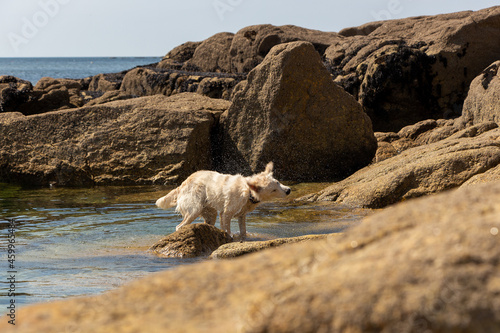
428 264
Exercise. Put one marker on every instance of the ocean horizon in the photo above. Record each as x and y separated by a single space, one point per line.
34 68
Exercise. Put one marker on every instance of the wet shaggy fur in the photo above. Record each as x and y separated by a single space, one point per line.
205 193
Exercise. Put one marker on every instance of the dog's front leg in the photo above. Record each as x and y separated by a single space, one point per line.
225 222
243 226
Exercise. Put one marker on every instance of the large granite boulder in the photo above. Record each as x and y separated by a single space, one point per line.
291 112
483 101
57 94
193 240
144 140
407 70
426 265
418 171
212 55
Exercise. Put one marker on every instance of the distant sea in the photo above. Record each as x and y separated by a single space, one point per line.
33 69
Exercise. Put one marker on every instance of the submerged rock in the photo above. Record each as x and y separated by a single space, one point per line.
193 240
292 113
429 264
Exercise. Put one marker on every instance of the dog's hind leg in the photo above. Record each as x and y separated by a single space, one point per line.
210 215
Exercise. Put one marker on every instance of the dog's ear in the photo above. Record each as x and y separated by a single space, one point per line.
254 187
269 168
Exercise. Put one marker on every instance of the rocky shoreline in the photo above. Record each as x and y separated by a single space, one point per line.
387 112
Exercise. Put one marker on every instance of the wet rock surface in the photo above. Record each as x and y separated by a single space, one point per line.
237 249
193 240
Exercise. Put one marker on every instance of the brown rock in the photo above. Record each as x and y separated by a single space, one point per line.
417 171
291 112
212 55
180 54
193 240
424 265
109 96
385 150
107 82
58 93
251 44
217 87
149 81
417 68
14 92
241 52
492 175
145 140
47 95
237 249
483 101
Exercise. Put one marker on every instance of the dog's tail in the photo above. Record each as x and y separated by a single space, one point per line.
169 200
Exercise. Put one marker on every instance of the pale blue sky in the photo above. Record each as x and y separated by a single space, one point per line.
51 28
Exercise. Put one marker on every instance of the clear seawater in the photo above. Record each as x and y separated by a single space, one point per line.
33 69
73 242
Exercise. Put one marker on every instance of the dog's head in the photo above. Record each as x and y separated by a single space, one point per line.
264 187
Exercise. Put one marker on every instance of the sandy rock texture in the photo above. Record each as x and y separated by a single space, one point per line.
148 140
417 171
290 112
483 101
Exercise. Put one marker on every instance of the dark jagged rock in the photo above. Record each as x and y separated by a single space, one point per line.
407 70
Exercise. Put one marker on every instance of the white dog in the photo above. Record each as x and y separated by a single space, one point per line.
206 192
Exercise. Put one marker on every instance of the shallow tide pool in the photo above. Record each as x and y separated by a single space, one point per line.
74 242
